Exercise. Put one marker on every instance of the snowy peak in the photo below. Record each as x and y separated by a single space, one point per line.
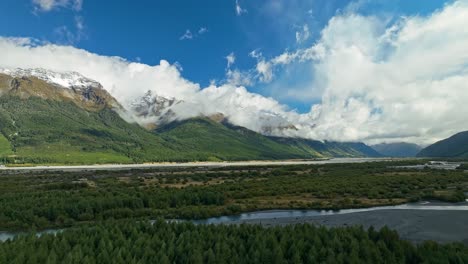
152 110
60 86
153 105
71 80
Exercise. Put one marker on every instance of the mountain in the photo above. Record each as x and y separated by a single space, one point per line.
329 148
401 149
48 117
47 123
215 136
221 142
152 109
67 87
454 146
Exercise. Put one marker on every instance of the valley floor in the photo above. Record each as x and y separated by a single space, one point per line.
107 213
198 164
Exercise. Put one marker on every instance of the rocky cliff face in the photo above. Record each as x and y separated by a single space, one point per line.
152 110
49 85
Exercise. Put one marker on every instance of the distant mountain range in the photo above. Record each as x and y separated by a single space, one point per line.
454 146
401 149
49 117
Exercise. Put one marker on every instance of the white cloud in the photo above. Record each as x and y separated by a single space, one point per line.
64 36
231 59
239 9
202 30
79 23
265 68
78 5
238 78
187 35
235 76
127 81
48 5
63 33
256 54
67 36
302 35
265 71
405 81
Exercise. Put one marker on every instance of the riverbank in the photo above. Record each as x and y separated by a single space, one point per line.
415 225
415 222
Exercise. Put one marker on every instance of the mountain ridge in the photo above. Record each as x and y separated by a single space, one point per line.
400 149
44 122
453 146
92 97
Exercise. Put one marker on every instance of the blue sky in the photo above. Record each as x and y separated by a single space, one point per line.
151 30
361 70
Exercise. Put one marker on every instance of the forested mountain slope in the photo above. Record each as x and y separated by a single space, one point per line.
42 122
401 149
454 146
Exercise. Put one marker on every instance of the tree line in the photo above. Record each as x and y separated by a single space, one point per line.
162 242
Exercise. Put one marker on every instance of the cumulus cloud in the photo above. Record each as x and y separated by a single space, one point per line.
48 5
381 82
390 82
378 82
128 81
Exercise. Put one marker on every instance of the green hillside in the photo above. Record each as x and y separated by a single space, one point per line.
35 130
229 142
220 142
5 146
43 123
454 146
48 131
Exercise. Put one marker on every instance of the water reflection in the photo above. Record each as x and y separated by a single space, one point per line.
274 214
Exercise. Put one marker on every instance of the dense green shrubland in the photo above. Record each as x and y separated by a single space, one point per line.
56 199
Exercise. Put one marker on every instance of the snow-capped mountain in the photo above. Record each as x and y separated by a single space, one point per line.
66 86
152 108
72 80
152 104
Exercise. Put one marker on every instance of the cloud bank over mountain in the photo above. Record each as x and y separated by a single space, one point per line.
128 81
377 79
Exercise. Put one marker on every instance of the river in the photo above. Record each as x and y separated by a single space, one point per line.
416 222
278 214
